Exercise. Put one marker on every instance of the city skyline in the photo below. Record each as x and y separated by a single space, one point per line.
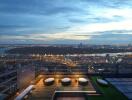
66 22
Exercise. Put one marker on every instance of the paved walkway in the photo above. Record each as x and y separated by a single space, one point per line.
70 98
41 92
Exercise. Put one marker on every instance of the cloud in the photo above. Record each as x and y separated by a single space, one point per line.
65 21
101 27
111 39
73 20
47 37
110 3
35 7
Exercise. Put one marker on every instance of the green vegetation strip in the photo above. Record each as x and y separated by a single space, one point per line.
109 92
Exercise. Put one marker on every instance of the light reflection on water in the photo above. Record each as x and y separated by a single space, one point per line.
101 54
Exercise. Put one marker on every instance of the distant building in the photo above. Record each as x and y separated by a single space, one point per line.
80 45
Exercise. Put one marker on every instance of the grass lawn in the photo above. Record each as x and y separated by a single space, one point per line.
109 93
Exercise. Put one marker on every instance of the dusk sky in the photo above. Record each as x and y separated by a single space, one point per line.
66 21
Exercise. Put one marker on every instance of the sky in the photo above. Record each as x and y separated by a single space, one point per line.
65 21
